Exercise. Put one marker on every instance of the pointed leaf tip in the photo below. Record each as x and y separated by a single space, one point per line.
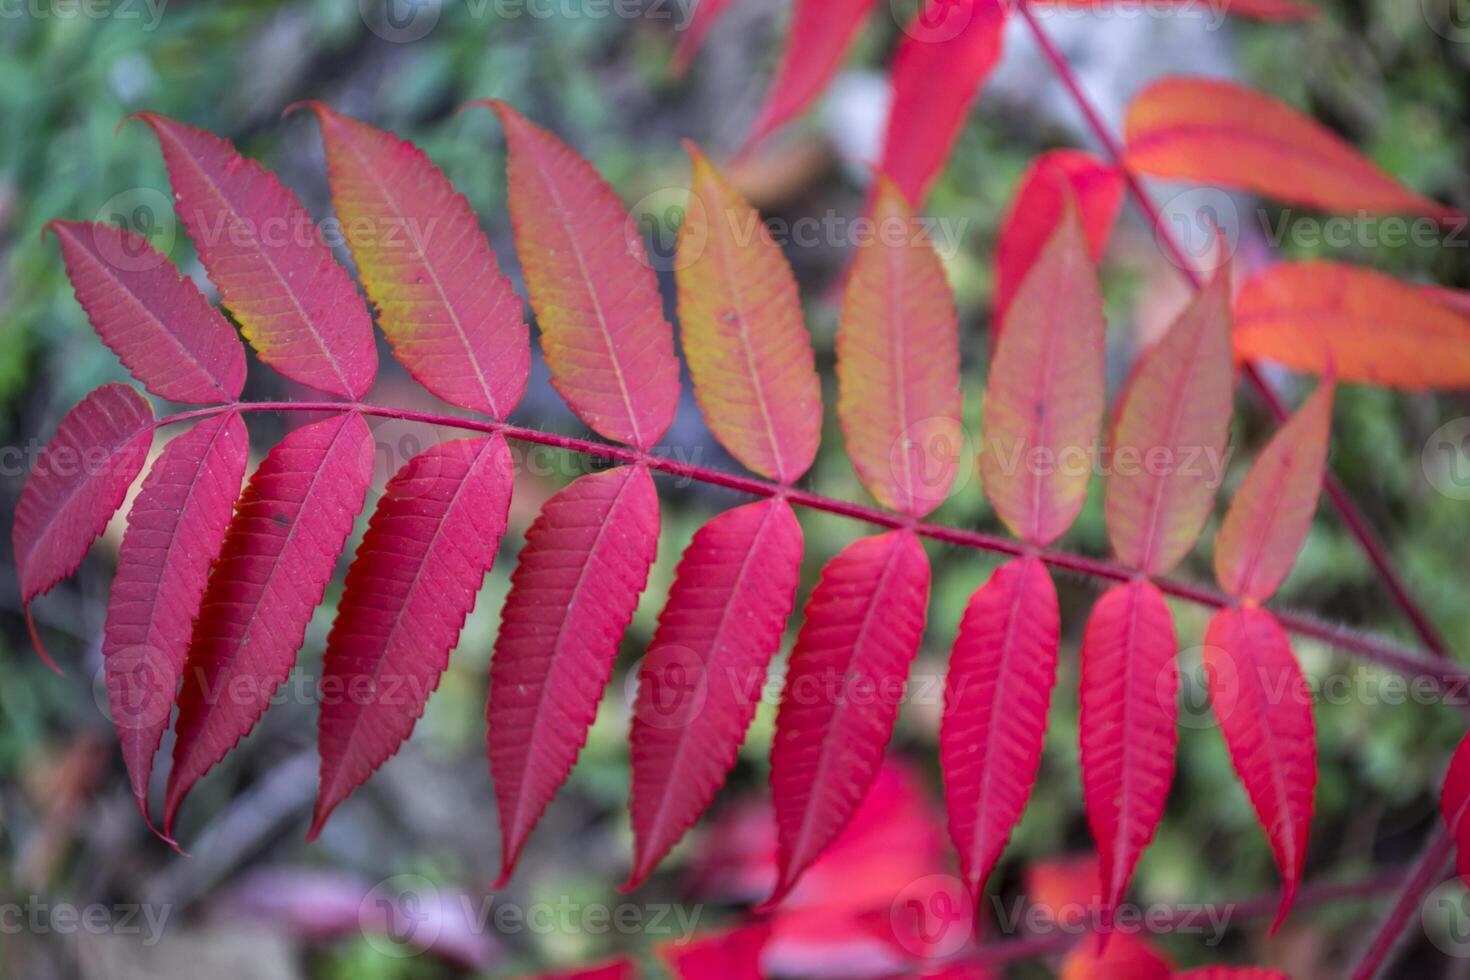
449 313
843 686
701 680
1002 671
1264 707
898 363
280 550
1272 511
295 304
1128 728
741 328
417 572
593 288
1044 405
584 565
77 484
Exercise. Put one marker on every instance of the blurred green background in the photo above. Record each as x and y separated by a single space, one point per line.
1377 70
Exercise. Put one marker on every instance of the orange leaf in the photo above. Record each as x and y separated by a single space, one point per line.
1127 957
450 313
898 363
1270 515
741 328
1044 406
1169 436
1366 326
1213 131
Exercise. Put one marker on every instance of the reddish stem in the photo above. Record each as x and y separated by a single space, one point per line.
1352 517
1401 659
1430 871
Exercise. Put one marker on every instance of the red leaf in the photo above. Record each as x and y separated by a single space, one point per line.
821 32
734 954
279 553
946 54
584 564
701 680
294 303
78 483
1361 325
610 350
1281 11
1269 518
863 624
1232 973
706 12
996 697
741 329
1129 687
898 363
153 318
1126 957
1454 804
1170 434
1206 129
1264 708
620 969
175 530
451 315
1044 406
413 582
1097 191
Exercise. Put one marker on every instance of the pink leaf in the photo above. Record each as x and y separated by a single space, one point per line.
619 969
898 363
1264 708
734 954
862 628
78 483
175 531
1269 518
450 313
1454 805
584 564
295 304
1032 218
1170 434
702 677
413 582
153 318
1129 687
944 57
1001 674
610 350
1044 406
1232 973
280 551
820 34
